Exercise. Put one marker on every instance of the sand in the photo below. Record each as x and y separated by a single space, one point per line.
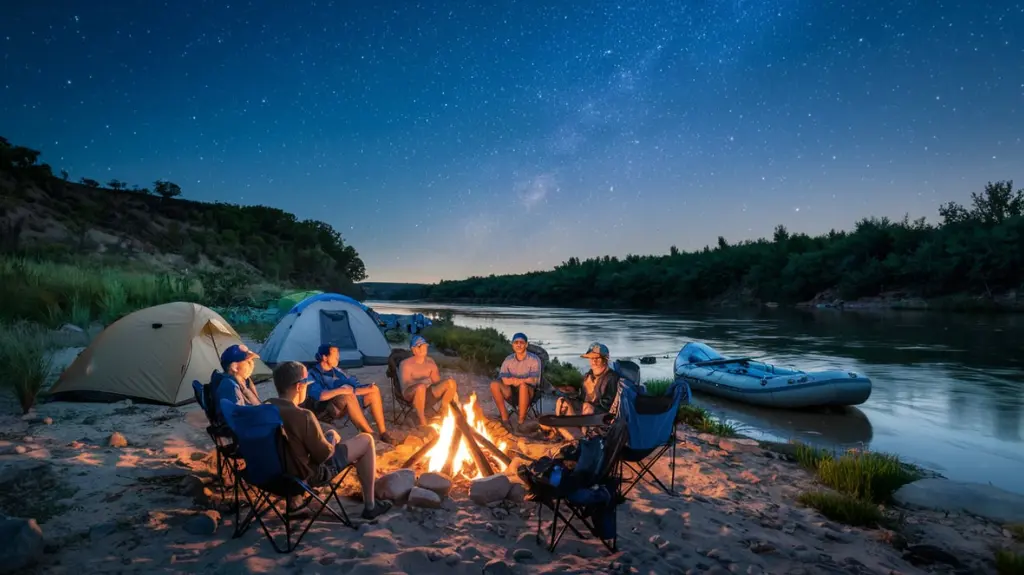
106 509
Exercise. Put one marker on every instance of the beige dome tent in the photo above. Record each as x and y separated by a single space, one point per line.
152 356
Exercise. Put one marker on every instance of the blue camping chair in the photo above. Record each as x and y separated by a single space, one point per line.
651 420
534 408
228 459
259 435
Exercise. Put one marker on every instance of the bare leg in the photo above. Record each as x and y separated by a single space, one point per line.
419 402
525 393
377 408
355 412
447 390
362 455
501 392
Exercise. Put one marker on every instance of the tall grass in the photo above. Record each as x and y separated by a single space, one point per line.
562 374
1009 563
55 293
25 360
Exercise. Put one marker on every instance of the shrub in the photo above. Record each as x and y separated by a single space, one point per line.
1016 530
562 374
701 420
843 508
1009 563
866 475
396 336
480 350
24 355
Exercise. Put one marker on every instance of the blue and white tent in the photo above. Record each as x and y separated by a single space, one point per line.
327 318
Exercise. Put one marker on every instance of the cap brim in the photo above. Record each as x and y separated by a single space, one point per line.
591 355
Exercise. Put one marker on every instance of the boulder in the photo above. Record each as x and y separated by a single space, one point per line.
21 543
396 485
420 497
487 490
977 499
435 482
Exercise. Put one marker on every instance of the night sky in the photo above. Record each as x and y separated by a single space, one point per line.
448 138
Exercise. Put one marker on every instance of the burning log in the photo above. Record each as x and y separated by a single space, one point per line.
453 449
493 448
482 465
415 457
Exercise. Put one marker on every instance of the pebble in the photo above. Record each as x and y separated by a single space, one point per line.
497 567
522 554
204 523
117 439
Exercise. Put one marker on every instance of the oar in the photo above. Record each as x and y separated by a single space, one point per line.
722 361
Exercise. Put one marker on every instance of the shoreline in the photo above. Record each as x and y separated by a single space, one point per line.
129 508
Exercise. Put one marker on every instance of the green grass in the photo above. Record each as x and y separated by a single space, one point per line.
866 475
843 508
562 374
1009 563
24 355
702 421
1016 530
479 350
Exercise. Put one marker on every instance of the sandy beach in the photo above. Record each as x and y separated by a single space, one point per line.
150 504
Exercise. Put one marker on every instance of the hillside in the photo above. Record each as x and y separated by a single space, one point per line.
52 217
972 259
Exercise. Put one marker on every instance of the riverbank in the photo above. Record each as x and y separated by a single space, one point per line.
122 487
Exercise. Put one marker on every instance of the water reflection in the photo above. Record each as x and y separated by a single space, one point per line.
946 387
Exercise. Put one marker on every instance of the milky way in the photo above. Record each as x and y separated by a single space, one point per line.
451 138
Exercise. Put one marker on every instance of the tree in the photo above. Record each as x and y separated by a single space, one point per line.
90 182
166 190
116 184
64 175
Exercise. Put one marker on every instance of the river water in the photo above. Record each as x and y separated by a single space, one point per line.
948 389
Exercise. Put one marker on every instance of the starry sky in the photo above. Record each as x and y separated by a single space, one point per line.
452 138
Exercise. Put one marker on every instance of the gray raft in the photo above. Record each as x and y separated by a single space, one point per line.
757 383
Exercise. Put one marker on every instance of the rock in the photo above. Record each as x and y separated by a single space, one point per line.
420 497
977 499
198 455
487 490
203 523
452 559
435 482
498 567
47 421
191 485
395 485
516 493
522 555
118 440
21 543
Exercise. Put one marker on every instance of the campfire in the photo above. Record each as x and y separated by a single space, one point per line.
457 448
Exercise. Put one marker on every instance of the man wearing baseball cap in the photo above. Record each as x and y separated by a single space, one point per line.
319 455
335 393
235 383
418 375
597 394
519 371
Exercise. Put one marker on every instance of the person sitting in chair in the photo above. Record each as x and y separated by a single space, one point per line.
335 393
419 375
235 384
520 371
598 394
318 456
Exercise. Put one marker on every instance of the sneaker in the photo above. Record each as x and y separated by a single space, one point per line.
387 438
380 507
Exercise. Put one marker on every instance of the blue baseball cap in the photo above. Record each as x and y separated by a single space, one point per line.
417 340
324 350
596 349
521 336
236 354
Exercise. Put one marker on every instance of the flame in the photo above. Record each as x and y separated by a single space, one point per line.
438 455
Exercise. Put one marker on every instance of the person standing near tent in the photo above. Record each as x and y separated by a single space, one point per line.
235 384
418 375
317 455
519 371
335 393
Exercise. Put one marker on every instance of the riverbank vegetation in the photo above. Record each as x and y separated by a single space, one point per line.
974 257
25 354
862 482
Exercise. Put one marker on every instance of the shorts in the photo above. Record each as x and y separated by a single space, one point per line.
334 465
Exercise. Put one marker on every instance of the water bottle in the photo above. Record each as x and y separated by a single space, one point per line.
556 475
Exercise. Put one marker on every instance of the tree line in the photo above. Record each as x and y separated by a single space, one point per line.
306 253
974 254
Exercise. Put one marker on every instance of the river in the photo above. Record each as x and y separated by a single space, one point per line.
948 389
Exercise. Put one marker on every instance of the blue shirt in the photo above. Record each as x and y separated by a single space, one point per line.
228 387
527 368
325 381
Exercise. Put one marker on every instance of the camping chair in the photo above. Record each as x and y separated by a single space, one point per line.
590 492
261 442
402 408
512 402
228 459
651 420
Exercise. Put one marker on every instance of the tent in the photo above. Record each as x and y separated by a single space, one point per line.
327 318
288 301
151 356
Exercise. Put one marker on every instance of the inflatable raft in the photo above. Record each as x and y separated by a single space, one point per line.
748 381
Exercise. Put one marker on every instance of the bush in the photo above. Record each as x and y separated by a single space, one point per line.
1016 530
1009 563
702 421
562 374
25 357
843 508
396 336
866 475
480 350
